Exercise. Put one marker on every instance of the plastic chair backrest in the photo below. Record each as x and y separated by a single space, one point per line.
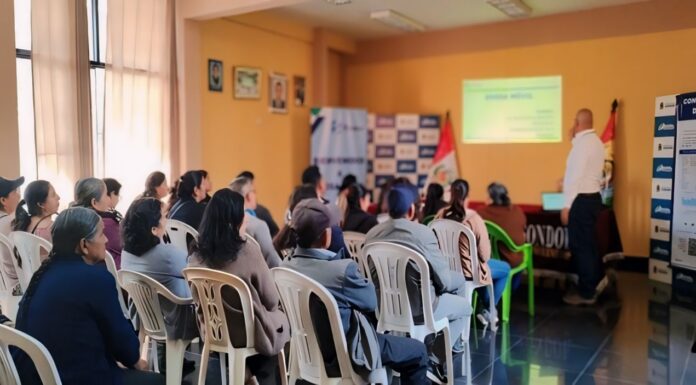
38 353
252 240
111 267
390 261
296 290
355 242
496 234
178 233
143 291
5 252
29 247
206 288
448 233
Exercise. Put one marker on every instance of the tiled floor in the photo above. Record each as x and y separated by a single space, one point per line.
632 336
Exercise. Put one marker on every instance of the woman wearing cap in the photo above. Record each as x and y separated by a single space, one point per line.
511 218
9 199
222 246
310 229
42 203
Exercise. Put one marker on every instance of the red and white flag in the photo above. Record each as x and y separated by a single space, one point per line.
444 169
608 137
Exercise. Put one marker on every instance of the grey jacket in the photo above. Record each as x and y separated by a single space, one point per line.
340 276
258 230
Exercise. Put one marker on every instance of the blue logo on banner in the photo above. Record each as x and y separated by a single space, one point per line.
663 168
429 121
661 209
660 250
382 179
686 106
426 151
421 180
665 126
385 151
683 280
404 166
407 136
369 165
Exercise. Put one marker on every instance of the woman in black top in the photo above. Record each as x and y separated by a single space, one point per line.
185 202
356 218
433 200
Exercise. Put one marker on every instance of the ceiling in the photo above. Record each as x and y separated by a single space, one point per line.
353 19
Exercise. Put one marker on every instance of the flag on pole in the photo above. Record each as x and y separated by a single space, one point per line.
608 139
444 169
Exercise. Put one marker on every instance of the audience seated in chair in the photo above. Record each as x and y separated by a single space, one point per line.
447 288
71 307
155 186
491 270
355 216
42 203
255 227
186 201
508 216
433 200
311 235
261 211
92 194
221 246
9 199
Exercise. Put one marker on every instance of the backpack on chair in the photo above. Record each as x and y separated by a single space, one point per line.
363 347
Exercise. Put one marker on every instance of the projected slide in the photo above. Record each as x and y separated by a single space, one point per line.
513 110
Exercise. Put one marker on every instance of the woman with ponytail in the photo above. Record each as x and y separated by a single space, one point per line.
511 218
490 270
433 199
71 307
356 217
222 246
186 199
155 186
91 193
41 202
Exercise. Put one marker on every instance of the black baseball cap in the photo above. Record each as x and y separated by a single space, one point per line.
9 185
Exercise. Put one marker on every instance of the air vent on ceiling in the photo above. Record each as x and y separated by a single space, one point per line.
512 8
397 20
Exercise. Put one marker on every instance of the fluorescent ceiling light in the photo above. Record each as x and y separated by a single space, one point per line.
397 20
512 8
338 2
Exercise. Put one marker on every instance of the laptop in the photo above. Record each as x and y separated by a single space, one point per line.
552 201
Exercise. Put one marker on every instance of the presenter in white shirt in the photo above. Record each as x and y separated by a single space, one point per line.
583 203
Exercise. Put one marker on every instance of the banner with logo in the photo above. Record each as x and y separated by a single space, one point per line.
684 195
401 145
664 129
339 145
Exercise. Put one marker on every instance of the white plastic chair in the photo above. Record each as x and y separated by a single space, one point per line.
178 233
5 252
29 248
111 267
252 240
144 292
355 242
206 287
306 361
448 233
390 261
34 349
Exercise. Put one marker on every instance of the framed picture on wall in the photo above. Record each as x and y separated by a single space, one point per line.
299 88
278 93
214 75
247 83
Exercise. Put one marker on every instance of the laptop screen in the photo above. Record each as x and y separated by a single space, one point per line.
552 201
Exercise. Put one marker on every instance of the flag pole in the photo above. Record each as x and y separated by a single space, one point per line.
454 147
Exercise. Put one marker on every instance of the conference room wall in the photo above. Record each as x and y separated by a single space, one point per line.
634 68
243 134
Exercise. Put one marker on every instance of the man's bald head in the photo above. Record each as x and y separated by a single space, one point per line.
583 120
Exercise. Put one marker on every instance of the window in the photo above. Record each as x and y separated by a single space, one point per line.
96 19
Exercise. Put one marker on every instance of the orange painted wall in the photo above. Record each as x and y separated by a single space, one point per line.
634 68
243 134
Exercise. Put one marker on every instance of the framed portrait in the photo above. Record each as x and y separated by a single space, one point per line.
299 90
278 93
247 83
214 75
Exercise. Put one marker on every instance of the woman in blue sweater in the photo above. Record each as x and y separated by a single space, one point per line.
71 307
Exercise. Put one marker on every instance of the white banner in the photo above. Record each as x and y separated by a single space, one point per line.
339 145
684 219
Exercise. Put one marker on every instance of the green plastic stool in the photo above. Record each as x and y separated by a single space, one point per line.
497 235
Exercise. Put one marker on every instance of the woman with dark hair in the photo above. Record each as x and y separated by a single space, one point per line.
186 199
113 192
356 217
91 193
511 218
145 252
222 246
42 203
490 270
155 186
433 199
71 307
207 185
